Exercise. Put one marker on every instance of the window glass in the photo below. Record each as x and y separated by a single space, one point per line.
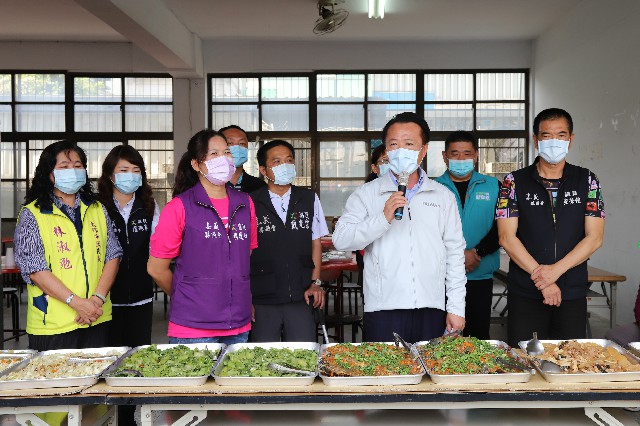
148 89
336 118
285 117
449 117
448 87
40 87
40 118
97 89
392 87
245 116
343 159
500 86
235 89
285 89
148 118
98 118
499 116
340 87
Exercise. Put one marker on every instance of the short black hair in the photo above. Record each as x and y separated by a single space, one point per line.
262 152
233 126
409 117
377 153
461 136
551 114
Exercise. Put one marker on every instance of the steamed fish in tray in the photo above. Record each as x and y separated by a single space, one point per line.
367 359
587 357
466 355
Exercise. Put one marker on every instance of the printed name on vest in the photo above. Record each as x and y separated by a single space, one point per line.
534 200
482 196
430 204
571 197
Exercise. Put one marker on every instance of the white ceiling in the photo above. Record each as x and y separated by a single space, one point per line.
66 20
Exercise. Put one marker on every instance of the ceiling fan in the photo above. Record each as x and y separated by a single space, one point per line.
330 18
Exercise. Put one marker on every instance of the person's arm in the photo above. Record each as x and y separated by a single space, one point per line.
159 270
29 249
507 228
358 227
455 278
546 275
109 272
50 285
315 290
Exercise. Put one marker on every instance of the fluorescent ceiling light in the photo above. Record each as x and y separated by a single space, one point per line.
376 9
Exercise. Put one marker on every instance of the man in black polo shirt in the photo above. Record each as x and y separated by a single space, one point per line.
550 220
239 146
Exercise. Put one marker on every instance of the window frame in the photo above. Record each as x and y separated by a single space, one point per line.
122 137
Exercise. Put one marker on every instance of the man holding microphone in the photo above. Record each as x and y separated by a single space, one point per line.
414 274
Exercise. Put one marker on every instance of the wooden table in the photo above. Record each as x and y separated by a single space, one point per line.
595 275
339 268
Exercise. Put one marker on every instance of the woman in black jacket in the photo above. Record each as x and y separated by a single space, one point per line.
127 196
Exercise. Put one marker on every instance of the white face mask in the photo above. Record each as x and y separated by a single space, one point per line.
284 174
403 160
553 151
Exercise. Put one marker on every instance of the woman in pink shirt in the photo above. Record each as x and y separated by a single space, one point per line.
209 228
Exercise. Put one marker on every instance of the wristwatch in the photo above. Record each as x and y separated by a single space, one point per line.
480 252
70 298
317 282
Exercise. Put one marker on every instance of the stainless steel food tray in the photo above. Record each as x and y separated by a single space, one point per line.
21 356
162 381
589 377
405 379
265 381
465 379
61 382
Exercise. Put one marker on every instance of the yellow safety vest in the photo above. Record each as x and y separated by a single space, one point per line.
78 266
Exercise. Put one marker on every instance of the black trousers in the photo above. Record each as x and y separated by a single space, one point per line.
289 322
567 321
477 312
413 325
131 325
91 337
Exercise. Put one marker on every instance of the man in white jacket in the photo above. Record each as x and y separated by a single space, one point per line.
414 274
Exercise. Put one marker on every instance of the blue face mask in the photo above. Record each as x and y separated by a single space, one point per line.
284 174
384 168
460 168
69 181
553 151
403 160
128 183
240 154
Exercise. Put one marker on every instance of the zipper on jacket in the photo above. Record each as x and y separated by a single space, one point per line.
288 270
84 262
126 231
231 288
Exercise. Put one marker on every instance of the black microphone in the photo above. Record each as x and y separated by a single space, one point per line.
403 180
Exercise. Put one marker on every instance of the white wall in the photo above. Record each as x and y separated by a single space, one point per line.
588 63
269 56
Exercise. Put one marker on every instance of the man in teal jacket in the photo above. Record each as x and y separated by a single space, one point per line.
477 195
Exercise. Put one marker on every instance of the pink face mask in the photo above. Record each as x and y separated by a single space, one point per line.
219 170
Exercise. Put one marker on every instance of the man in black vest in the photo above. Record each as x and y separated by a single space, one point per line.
550 220
239 146
285 268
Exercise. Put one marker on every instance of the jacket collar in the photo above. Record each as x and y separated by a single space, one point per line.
80 199
388 185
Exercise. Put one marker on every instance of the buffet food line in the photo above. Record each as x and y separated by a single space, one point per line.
448 372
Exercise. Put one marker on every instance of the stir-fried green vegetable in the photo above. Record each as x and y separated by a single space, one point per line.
253 362
179 361
463 355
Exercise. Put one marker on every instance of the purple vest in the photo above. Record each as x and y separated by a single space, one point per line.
210 287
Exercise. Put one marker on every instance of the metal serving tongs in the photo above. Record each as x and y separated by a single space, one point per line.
412 350
318 316
284 369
